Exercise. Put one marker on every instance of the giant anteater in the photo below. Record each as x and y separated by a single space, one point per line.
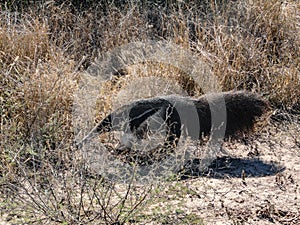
238 112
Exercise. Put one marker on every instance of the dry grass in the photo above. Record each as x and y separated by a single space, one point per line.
253 45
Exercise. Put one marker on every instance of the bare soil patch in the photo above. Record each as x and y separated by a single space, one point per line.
257 182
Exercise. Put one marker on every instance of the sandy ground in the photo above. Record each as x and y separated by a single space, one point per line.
257 183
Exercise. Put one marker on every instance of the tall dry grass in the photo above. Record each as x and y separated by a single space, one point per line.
252 45
37 83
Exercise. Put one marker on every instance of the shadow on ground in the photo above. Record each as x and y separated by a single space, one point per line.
229 167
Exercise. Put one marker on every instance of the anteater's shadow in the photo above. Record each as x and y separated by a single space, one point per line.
229 167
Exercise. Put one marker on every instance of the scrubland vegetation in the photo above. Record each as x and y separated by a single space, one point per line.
46 45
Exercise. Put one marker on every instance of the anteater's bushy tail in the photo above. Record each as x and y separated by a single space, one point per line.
243 109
